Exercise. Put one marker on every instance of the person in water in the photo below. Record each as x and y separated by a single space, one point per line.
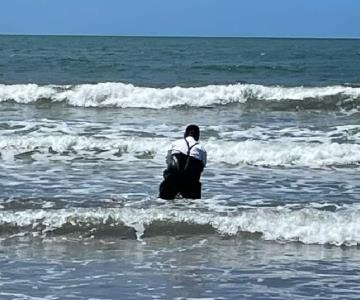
185 162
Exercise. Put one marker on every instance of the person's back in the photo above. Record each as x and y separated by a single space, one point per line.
185 162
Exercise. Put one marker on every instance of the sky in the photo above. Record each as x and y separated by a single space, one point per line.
233 18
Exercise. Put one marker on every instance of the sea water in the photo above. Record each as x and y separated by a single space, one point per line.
86 122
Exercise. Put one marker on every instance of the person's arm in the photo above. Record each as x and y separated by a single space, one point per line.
168 157
171 159
204 158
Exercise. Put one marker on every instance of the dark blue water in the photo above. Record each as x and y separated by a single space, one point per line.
85 124
163 62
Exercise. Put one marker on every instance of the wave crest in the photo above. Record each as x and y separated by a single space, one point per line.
250 152
306 225
129 96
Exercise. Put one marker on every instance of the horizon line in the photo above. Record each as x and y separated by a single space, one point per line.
182 36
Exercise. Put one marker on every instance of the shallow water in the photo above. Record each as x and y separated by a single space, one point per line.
197 267
83 139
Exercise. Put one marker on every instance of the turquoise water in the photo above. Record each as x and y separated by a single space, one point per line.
85 124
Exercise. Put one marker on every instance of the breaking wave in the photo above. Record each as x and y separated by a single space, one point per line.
251 152
129 96
262 153
306 225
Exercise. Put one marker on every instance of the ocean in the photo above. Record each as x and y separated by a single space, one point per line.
85 125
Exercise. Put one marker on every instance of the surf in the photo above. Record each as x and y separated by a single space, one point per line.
281 152
308 225
122 95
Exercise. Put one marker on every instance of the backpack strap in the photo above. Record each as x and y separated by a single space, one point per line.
188 154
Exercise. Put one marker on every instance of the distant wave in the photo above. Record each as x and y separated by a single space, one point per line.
129 96
250 152
307 225
245 68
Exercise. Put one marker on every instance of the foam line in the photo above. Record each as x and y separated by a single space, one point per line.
127 95
307 225
250 152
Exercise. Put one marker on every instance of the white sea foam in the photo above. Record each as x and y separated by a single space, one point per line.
307 225
285 153
26 93
250 152
235 132
300 134
127 95
60 143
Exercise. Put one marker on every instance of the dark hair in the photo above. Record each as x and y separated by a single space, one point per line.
192 130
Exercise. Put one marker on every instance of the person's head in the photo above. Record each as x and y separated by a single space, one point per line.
192 130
